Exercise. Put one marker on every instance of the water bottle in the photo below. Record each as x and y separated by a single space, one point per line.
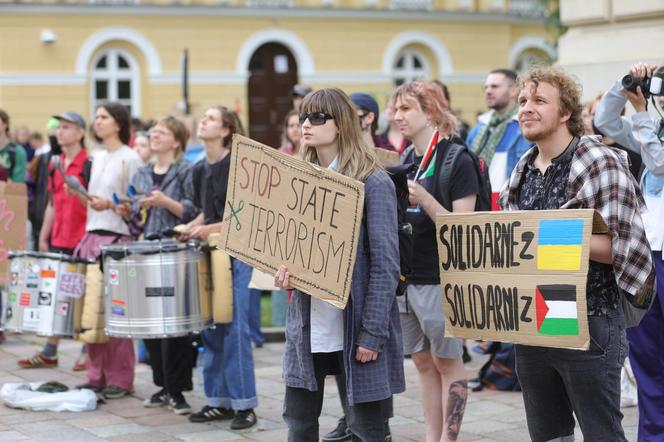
199 363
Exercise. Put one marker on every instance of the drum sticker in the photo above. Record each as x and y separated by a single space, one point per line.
25 300
32 278
159 291
62 308
15 265
72 285
14 279
45 298
12 297
118 307
48 274
31 317
131 272
113 277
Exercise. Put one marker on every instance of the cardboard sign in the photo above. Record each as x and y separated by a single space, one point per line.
517 276
13 218
387 158
282 210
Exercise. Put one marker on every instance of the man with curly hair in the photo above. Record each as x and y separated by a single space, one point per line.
565 170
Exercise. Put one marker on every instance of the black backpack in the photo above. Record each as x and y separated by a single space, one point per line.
399 176
446 159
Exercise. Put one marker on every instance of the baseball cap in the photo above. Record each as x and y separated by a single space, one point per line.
72 117
300 90
365 102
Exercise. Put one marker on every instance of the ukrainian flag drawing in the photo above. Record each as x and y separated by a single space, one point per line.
559 244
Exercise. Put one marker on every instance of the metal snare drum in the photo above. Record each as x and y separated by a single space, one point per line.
155 289
44 293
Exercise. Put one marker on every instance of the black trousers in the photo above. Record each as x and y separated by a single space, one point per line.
171 361
302 407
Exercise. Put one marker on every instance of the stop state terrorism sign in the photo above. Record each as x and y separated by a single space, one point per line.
517 276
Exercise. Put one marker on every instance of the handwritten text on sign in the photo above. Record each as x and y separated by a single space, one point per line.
517 276
281 210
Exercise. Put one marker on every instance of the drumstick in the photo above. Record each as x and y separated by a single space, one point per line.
122 178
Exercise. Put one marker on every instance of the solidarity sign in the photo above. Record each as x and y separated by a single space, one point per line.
517 276
282 210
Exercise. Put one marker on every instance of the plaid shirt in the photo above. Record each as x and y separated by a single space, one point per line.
600 179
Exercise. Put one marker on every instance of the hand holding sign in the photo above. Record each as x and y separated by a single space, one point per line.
284 211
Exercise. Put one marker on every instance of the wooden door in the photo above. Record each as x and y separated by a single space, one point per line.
273 73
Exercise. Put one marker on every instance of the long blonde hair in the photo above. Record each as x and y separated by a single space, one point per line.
357 159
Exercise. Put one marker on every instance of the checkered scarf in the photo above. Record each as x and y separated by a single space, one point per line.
487 139
600 179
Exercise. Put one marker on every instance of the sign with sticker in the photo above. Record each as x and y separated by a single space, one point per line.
48 274
118 307
62 308
113 277
30 318
71 284
45 298
25 300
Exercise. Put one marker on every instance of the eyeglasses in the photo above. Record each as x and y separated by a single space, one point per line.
315 118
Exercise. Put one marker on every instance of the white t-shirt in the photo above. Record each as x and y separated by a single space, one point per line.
327 321
111 173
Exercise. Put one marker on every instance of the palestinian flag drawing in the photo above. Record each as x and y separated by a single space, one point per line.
555 308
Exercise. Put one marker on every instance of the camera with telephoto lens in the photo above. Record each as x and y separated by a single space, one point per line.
649 85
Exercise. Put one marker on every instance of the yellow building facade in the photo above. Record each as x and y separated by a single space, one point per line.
72 54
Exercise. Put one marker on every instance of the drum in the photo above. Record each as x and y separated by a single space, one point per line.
156 289
44 294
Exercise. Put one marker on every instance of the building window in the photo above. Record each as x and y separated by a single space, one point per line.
410 66
411 4
527 59
115 78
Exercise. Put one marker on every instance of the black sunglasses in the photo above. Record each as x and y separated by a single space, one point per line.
315 118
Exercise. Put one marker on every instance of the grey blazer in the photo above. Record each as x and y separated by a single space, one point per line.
371 318
178 185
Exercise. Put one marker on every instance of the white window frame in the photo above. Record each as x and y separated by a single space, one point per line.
415 5
409 72
112 74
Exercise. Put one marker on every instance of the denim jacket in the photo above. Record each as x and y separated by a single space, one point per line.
371 318
177 185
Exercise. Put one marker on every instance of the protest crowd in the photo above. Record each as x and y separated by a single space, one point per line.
118 188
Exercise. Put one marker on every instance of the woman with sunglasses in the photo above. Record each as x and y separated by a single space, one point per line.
421 113
110 366
167 202
362 342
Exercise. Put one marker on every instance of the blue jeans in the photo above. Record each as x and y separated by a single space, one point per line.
228 368
255 317
558 382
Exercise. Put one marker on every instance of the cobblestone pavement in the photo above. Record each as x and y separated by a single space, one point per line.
490 415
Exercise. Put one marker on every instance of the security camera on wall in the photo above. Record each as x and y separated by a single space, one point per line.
48 36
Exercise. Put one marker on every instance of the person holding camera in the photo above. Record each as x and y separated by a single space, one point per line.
644 135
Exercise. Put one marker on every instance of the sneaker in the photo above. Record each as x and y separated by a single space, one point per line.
341 433
178 404
244 419
208 414
88 387
159 399
38 361
114 392
79 365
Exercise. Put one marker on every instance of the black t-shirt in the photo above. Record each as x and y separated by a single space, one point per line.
464 181
157 179
548 191
210 186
